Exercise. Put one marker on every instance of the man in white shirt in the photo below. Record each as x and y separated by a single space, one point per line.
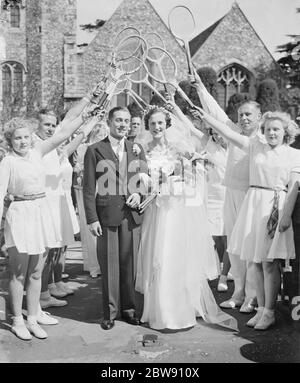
46 129
236 181
135 128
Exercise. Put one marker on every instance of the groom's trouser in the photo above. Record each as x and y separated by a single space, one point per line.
242 271
115 256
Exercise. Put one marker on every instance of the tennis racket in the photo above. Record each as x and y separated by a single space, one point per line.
182 25
125 86
166 72
125 62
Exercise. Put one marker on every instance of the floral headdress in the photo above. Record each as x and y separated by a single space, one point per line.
152 109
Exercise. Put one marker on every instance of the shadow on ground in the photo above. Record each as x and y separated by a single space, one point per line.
280 344
277 345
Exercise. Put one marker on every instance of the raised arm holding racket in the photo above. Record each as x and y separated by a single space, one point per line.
182 25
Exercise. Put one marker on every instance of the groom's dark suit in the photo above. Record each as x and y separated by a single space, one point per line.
116 180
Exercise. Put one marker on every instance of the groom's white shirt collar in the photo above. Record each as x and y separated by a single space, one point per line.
114 144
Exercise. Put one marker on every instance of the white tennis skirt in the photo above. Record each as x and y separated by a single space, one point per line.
30 227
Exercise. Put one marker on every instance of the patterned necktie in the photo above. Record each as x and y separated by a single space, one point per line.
273 219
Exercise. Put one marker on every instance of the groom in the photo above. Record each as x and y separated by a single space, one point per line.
114 165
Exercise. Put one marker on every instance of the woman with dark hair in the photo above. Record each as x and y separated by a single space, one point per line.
176 254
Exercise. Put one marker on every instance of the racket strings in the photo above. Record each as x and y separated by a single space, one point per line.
129 47
140 60
181 22
154 40
125 86
124 34
164 68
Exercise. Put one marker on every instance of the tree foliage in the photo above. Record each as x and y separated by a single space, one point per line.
210 81
268 95
135 110
273 71
290 62
191 92
290 101
156 100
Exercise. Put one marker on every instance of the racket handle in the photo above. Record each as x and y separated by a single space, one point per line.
191 78
99 90
99 100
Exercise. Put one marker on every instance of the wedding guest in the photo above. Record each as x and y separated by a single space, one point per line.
68 214
291 278
54 197
3 152
88 241
236 180
216 154
135 128
256 236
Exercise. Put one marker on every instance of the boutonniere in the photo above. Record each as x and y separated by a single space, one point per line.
136 150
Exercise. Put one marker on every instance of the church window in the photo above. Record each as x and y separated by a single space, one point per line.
15 16
12 82
18 80
232 79
6 82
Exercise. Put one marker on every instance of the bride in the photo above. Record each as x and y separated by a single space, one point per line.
176 255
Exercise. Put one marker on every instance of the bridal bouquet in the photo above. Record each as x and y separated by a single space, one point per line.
78 169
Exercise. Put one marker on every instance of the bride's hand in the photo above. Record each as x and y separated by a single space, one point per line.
134 200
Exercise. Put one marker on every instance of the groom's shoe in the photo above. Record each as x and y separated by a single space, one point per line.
107 324
132 320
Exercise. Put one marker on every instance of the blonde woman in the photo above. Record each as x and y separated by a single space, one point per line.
28 229
274 176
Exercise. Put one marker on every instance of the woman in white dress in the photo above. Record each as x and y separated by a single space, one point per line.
176 255
28 229
256 236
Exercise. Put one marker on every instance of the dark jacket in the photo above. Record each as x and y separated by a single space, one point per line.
108 206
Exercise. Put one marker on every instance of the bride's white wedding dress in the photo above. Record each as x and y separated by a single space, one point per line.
176 254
